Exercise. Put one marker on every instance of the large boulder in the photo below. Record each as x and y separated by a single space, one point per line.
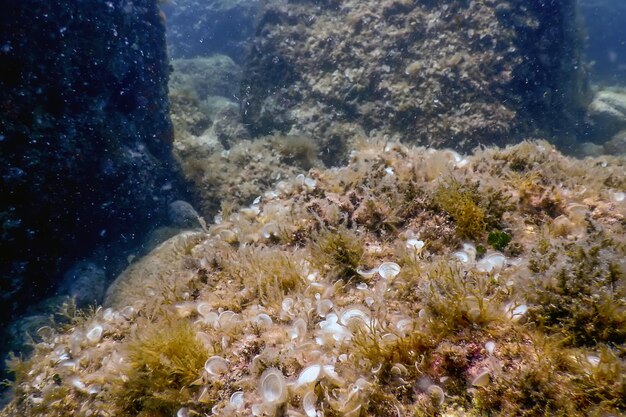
607 114
85 136
445 73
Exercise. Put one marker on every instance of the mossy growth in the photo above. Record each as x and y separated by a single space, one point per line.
498 239
371 349
165 359
269 275
580 292
534 390
457 300
337 251
297 150
556 381
461 202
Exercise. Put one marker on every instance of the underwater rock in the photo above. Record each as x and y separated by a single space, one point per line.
442 74
183 215
607 114
85 283
217 75
297 321
617 144
86 136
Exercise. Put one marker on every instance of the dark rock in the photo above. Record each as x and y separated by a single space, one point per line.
85 155
183 215
85 283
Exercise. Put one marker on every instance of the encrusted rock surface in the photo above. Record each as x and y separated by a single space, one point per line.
444 73
356 291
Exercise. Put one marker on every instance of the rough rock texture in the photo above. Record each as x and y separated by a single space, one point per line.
301 286
607 114
213 146
446 73
204 27
85 136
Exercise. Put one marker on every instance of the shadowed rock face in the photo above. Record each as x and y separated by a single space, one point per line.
446 73
85 135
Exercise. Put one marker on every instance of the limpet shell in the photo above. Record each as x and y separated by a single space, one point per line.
216 366
309 402
388 270
482 379
95 333
236 400
272 386
367 273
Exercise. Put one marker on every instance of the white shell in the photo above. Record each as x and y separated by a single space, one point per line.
491 262
182 412
470 249
516 311
354 315
298 329
272 386
436 393
367 273
95 333
287 305
332 328
388 270
309 375
482 379
308 404
203 309
263 320
490 347
236 400
462 256
323 307
415 244
216 366
618 196
593 360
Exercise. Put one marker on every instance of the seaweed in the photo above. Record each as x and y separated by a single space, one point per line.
338 251
461 202
498 239
165 359
580 292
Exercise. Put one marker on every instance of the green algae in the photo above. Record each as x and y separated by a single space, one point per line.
165 359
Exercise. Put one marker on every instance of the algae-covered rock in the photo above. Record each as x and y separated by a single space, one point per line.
444 73
362 288
152 279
